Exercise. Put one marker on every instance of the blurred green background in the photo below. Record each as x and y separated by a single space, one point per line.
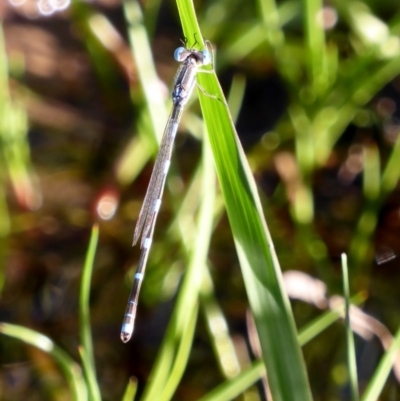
315 103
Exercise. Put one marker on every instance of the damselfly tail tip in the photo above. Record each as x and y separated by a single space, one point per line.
126 331
125 337
127 325
129 321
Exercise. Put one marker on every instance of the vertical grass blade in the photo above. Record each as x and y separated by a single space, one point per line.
86 349
15 151
155 115
130 391
217 325
351 354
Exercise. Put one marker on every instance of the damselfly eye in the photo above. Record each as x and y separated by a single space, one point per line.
206 57
180 54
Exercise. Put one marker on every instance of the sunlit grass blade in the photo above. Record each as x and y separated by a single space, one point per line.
351 352
232 388
142 54
71 370
260 267
376 187
14 140
236 95
181 356
375 385
86 349
130 391
271 23
372 172
315 44
155 115
391 172
363 89
218 329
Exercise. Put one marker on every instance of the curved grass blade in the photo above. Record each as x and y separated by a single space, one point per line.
232 388
260 268
71 370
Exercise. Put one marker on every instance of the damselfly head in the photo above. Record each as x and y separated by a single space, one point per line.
181 54
202 57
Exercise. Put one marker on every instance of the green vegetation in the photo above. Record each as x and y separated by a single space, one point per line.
82 109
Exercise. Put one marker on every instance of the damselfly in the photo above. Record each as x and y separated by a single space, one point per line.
185 80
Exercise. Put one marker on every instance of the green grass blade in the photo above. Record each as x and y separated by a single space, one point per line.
142 54
236 95
130 391
232 388
381 373
86 349
155 115
391 172
365 88
351 353
372 172
71 370
315 44
217 326
15 151
271 23
322 322
260 267
181 356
